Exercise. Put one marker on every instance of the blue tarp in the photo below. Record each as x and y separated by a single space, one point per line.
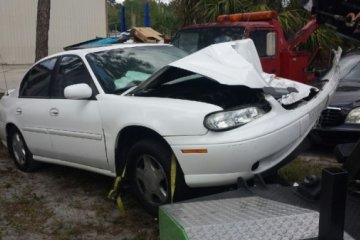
103 41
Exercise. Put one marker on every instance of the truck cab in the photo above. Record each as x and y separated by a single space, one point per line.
278 56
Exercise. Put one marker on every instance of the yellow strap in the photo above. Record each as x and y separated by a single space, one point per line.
115 194
120 205
172 176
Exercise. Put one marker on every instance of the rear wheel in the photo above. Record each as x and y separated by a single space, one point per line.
149 163
20 153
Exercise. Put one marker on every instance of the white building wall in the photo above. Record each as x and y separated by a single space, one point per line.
71 21
17 31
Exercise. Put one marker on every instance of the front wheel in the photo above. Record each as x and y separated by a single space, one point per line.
20 153
149 163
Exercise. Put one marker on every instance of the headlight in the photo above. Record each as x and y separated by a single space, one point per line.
225 120
353 116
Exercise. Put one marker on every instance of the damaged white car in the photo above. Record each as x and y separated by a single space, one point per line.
101 109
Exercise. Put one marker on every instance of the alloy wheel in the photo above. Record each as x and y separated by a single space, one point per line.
18 147
151 180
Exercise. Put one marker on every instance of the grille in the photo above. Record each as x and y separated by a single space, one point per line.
331 117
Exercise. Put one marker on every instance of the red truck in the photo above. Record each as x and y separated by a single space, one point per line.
278 55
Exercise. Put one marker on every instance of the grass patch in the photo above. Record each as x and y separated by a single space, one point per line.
26 212
296 170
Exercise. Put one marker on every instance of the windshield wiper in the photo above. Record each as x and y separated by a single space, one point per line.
122 90
127 87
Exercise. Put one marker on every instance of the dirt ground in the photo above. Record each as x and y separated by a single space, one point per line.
64 203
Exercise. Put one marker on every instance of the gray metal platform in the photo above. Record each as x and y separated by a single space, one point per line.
244 218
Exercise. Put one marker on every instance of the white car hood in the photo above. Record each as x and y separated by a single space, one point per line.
230 63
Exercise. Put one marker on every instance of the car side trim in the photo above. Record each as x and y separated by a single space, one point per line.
35 130
91 136
105 172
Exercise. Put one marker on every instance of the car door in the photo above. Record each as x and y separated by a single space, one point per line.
31 110
75 126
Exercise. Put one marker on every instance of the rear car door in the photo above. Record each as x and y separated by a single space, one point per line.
31 111
75 126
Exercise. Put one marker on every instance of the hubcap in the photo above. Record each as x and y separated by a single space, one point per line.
151 180
19 149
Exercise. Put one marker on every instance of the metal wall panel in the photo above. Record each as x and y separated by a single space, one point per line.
73 21
17 31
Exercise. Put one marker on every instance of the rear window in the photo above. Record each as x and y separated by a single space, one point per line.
192 40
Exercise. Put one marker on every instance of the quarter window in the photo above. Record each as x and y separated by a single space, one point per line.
36 82
72 70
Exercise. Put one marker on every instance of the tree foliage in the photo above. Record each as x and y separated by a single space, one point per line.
113 15
161 15
292 16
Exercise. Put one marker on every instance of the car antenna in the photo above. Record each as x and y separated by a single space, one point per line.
3 72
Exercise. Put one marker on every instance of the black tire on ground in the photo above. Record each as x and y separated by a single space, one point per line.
19 151
149 163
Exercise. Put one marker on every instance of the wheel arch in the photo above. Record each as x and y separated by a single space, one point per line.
10 126
127 137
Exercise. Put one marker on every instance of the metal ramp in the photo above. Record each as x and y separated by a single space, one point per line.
238 218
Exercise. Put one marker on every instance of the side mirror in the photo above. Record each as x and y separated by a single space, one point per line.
270 44
78 91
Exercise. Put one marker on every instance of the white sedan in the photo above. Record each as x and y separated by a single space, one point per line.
101 109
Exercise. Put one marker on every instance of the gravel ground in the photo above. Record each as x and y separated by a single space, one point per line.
63 203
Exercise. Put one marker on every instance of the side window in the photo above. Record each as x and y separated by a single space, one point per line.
260 40
36 82
71 70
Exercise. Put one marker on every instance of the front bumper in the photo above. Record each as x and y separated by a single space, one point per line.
224 163
253 148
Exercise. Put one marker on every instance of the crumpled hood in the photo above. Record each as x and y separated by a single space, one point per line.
229 63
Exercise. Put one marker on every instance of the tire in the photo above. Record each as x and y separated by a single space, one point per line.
149 167
19 151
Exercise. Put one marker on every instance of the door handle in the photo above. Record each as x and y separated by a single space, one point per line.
54 112
18 111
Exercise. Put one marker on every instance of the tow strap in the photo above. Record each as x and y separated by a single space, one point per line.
172 177
115 194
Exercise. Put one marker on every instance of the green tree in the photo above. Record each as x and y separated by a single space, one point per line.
161 17
113 15
292 17
185 10
112 2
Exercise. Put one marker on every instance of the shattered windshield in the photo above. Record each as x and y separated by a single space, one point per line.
120 69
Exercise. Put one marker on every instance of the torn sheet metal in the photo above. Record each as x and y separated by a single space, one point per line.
240 65
238 62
